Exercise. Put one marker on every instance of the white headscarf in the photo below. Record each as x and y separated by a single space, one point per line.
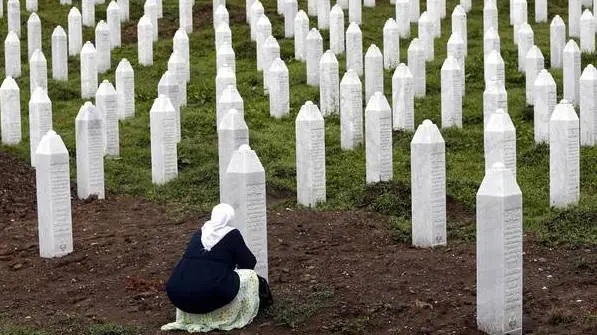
218 226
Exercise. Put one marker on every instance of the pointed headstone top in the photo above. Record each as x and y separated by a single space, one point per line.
230 94
9 84
263 21
105 89
145 21
402 71
181 34
498 181
353 28
350 77
34 18
390 25
589 73
564 111
500 121
427 132
124 66
222 27
309 112
425 17
221 9
58 32
534 52
168 79
328 57
245 160
301 16
525 28
571 46
278 65
51 144
102 26
233 120
37 57
378 102
162 104
544 78
495 57
74 12
12 37
373 51
88 112
314 35
271 42
558 21
336 10
256 6
113 6
40 96
415 45
459 11
88 47
450 64
586 15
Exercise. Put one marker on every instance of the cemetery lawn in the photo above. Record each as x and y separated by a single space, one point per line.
344 268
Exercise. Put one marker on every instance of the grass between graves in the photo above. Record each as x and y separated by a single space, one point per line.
196 188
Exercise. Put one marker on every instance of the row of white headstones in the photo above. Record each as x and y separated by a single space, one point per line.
242 176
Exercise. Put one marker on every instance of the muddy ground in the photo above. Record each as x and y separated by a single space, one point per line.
331 272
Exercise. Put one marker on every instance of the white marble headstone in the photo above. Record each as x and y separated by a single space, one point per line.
495 97
145 41
351 111
557 41
89 75
90 152
520 17
494 68
378 139
103 47
164 157
230 99
451 94
391 44
574 13
168 86
180 43
223 35
337 30
244 189
588 106
125 89
124 10
314 50
290 11
355 9
38 71
323 14
534 64
271 51
221 15
185 14
526 39
414 10
256 12
53 197
455 49
329 84
232 133
540 11
545 99
491 42
564 156
13 9
459 26
499 253
428 186
354 48
490 16
571 64
106 101
226 57
176 64
31 5
88 13
426 35
113 20
150 9
75 32
33 34
263 29
59 54
10 112
416 64
301 29
403 17
279 89
40 119
12 55
587 32
224 78
374 79
403 99
500 141
310 156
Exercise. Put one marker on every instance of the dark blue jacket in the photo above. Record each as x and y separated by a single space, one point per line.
204 281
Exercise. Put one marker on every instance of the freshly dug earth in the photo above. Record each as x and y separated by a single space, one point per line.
331 272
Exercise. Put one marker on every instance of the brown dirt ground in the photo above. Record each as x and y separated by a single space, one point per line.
331 272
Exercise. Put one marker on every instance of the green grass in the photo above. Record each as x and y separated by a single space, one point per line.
196 188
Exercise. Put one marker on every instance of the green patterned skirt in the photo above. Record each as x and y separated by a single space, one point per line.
237 314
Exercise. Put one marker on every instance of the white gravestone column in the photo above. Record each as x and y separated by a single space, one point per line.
373 72
102 47
378 139
38 71
495 97
571 65
451 94
12 55
248 5
271 51
113 18
490 16
150 9
223 35
145 41
54 221
526 39
466 5
351 111
88 71
88 11
244 189
301 29
229 99
557 41
59 54
75 32
314 50
428 186
310 156
416 64
491 42
33 34
540 11
343 4
587 32
106 101
355 9
125 89
545 101
224 78
433 11
403 18
323 14
13 9
164 158
312 6
256 12
290 11
185 14
564 157
414 10
31 5
391 45
168 86
329 86
10 112
180 44
574 13
337 30
232 133
124 10
40 119
90 152
279 89
403 99
221 15
459 26
534 64
354 48
426 35
500 141
499 253
263 29
588 106
226 57
494 68
520 17
176 64
455 49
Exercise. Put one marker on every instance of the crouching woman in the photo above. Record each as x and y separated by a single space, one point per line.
214 286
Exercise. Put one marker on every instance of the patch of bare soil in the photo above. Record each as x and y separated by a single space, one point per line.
331 272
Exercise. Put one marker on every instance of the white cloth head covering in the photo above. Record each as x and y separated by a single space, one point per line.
218 226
